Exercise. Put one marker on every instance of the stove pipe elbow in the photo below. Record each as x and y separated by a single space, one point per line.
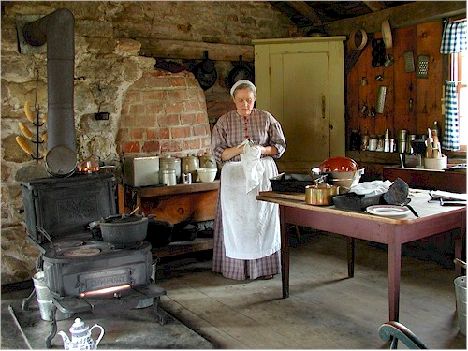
58 29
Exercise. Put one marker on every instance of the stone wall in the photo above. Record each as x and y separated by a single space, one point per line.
109 68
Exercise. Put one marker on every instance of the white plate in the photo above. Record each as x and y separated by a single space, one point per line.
388 210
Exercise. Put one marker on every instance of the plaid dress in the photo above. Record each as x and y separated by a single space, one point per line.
229 131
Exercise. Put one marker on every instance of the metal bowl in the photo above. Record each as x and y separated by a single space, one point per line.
345 179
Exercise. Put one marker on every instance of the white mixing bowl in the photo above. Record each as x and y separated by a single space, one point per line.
206 175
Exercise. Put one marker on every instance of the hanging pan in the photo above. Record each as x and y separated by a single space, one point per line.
205 72
240 71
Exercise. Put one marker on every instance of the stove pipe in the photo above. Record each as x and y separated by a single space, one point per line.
58 30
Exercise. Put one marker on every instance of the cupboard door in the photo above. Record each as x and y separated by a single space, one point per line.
299 98
301 82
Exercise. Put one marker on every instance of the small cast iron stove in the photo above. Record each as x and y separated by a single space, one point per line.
81 272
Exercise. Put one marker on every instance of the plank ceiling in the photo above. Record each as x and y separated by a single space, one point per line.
313 15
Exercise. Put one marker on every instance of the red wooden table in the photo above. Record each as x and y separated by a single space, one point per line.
394 232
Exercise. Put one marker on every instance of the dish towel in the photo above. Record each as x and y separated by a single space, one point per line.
251 228
252 166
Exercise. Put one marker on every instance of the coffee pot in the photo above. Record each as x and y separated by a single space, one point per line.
81 336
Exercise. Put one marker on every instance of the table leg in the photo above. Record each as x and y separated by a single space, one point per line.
459 238
394 275
458 253
351 254
284 254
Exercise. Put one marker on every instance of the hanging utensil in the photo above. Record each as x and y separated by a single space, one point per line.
205 72
460 262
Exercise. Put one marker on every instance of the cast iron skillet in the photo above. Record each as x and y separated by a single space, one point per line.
240 71
205 72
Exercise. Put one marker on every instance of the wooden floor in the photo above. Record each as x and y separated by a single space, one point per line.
325 310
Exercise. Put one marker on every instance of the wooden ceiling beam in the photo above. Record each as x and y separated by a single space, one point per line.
186 49
375 6
306 11
400 16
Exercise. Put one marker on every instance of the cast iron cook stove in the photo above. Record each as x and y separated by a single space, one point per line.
82 273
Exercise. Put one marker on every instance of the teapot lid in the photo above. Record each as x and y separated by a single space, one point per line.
78 326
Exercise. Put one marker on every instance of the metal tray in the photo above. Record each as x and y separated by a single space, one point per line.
355 202
291 183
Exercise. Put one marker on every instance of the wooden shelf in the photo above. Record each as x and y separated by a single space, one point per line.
156 191
176 248
431 179
174 204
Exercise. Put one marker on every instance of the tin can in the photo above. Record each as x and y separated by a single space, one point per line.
373 144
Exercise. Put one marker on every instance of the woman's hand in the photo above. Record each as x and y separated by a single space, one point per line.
230 152
268 150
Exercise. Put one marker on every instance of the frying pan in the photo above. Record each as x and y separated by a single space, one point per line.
240 71
205 72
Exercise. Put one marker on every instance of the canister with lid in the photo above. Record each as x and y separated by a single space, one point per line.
168 176
372 143
402 141
170 162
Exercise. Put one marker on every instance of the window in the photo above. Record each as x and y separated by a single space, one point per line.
459 74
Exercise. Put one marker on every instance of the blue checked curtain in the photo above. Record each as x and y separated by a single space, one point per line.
454 38
451 140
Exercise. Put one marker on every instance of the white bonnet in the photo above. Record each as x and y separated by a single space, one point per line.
243 81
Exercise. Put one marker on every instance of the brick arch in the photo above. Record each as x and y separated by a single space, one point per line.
164 113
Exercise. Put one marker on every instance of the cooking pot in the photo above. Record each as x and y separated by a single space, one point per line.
320 194
123 230
91 165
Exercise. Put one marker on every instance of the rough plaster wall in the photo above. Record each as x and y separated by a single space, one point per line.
107 62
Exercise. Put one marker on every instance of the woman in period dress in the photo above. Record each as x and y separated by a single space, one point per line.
246 231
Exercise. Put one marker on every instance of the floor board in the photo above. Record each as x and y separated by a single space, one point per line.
325 310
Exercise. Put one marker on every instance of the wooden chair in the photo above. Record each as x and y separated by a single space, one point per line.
394 332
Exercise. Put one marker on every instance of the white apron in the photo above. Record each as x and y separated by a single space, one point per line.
251 228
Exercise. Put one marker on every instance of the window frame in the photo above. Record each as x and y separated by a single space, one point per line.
455 71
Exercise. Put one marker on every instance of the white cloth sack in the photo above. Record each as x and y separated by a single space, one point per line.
251 228
377 187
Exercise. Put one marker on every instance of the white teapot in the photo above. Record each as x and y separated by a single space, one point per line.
81 336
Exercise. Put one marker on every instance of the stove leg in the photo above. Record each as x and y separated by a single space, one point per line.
53 327
25 303
161 316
